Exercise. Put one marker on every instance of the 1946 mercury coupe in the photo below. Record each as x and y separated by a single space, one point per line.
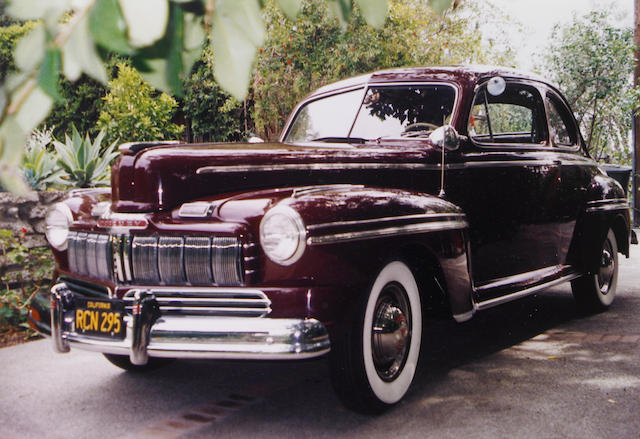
391 198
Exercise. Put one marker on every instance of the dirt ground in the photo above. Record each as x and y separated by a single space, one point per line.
10 336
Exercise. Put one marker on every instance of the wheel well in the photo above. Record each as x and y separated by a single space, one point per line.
428 274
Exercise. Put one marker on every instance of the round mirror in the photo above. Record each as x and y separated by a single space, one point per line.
496 85
445 137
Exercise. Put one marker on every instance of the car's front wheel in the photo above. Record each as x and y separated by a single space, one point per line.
595 292
374 362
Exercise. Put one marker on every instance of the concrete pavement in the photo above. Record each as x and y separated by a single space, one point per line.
533 368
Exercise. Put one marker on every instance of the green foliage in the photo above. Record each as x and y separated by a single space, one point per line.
80 106
39 164
592 61
314 50
133 111
16 291
9 36
163 39
211 113
84 162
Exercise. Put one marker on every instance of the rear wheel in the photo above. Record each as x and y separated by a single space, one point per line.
123 362
374 362
595 292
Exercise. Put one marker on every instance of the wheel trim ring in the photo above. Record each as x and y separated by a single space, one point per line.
606 269
392 392
392 300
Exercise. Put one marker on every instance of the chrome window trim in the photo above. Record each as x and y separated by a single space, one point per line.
517 146
436 226
366 86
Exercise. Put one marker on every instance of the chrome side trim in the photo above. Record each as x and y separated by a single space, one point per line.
311 167
421 216
526 292
528 277
604 205
435 226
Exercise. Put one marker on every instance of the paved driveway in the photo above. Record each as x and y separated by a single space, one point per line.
532 368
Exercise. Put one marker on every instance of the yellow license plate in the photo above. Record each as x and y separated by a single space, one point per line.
99 318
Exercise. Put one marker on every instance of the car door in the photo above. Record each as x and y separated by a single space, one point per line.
508 184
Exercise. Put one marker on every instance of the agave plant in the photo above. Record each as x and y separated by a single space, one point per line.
84 161
39 165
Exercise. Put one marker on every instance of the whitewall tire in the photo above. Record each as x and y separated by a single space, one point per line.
374 364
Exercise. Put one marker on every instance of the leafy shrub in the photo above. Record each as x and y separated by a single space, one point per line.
133 111
9 36
84 162
39 165
16 263
80 106
211 113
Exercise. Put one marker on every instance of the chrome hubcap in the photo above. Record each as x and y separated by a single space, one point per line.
607 268
391 334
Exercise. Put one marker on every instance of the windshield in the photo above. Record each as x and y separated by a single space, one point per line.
385 111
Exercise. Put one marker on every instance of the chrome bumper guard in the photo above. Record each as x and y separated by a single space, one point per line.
149 334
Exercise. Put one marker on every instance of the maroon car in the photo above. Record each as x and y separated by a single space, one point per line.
391 198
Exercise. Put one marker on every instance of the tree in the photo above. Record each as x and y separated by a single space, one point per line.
300 56
133 111
211 113
592 61
163 38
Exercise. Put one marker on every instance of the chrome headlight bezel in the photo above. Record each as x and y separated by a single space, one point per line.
283 235
57 222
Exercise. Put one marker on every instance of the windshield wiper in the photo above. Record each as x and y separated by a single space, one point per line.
340 140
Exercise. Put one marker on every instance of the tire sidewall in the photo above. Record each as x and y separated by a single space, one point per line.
391 392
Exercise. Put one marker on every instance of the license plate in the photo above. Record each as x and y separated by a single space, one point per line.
102 318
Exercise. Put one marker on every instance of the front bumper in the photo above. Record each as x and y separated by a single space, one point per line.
149 334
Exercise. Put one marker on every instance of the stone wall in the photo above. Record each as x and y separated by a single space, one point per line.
21 214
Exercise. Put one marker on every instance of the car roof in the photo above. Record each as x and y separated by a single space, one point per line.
459 73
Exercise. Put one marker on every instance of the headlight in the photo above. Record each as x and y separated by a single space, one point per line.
57 223
282 235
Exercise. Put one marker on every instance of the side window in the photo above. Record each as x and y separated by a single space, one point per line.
563 131
516 116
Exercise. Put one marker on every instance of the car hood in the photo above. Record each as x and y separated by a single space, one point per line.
159 178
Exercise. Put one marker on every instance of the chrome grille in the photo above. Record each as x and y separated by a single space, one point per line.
228 303
90 254
197 260
168 260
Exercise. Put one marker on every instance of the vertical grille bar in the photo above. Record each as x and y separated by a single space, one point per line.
226 260
104 257
73 252
171 259
92 263
144 255
197 260
81 252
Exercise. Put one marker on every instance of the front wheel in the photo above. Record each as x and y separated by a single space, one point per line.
595 292
374 362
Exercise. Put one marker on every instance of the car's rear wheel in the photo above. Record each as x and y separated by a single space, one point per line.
123 362
595 292
374 362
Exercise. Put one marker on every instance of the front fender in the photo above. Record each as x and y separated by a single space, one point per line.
360 228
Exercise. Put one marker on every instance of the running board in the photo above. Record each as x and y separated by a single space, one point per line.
486 304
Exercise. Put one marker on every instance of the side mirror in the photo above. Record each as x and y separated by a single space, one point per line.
445 137
255 139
